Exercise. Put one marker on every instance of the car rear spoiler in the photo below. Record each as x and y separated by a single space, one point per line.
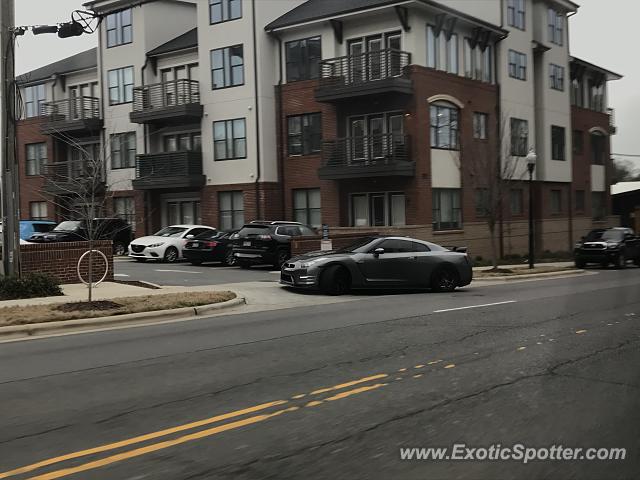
457 249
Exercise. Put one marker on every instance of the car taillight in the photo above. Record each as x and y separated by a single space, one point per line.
264 237
211 244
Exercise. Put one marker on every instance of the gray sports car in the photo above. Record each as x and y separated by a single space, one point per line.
377 262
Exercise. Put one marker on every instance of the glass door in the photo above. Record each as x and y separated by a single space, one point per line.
374 56
396 131
360 210
376 137
356 61
357 148
377 209
393 60
168 87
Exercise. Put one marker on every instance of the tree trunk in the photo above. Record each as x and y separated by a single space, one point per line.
494 247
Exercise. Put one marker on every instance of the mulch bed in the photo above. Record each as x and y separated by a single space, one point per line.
87 306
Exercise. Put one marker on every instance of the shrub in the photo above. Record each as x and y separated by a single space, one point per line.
29 286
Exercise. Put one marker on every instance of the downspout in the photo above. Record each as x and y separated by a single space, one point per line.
499 139
257 111
281 138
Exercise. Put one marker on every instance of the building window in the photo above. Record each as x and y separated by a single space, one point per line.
577 92
378 209
124 208
556 77
229 139
480 125
120 85
182 142
38 210
519 137
224 10
231 210
556 201
442 52
227 67
119 28
579 200
444 126
556 27
303 59
596 95
516 203
483 202
183 212
36 159
598 205
123 150
478 63
517 65
578 142
306 206
34 98
447 214
515 14
557 143
304 133
597 148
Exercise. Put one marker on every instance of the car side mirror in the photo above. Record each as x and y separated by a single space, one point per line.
378 251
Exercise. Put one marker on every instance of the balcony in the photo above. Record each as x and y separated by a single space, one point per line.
370 73
79 115
174 102
371 156
612 121
73 178
169 170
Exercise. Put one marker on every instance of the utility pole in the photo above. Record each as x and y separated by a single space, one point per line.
9 188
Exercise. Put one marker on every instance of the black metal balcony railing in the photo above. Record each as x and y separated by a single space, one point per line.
72 177
166 94
72 109
368 150
363 68
169 170
612 121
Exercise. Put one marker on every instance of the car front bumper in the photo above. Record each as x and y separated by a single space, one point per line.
298 278
155 253
598 256
254 256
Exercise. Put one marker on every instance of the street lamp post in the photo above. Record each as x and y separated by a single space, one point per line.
531 165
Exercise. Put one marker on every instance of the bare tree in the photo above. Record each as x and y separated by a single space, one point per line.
492 169
79 189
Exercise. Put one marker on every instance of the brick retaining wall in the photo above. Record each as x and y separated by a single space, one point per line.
59 260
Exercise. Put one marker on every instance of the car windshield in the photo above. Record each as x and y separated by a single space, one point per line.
612 235
68 226
170 232
356 246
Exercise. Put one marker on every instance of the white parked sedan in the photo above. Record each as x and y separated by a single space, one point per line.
165 245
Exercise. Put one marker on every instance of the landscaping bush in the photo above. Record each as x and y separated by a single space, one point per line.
29 286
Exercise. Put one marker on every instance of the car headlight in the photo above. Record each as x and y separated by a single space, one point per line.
310 263
578 245
154 245
613 246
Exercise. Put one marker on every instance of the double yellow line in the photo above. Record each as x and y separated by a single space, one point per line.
189 437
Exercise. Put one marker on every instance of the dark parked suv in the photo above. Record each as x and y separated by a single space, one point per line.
263 242
114 229
613 245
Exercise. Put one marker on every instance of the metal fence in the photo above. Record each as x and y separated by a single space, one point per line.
364 67
165 94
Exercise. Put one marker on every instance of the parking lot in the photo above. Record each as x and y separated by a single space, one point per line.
183 273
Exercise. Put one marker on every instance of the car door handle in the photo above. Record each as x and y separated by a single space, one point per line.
413 258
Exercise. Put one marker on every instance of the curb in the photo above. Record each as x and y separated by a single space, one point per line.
510 278
176 313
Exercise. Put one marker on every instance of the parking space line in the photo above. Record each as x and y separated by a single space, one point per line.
180 271
473 306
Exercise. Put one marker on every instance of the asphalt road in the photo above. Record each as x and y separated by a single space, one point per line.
185 274
334 391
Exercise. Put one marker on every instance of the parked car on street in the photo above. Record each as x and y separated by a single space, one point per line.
210 247
167 244
377 262
114 229
604 246
29 227
266 242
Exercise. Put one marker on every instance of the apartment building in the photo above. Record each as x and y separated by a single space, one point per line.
373 115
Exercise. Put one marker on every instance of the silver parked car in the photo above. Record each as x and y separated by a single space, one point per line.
377 262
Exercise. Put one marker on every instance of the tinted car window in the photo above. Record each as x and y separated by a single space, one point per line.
292 231
170 232
197 231
420 247
42 227
253 230
68 226
210 235
396 246
307 231
357 246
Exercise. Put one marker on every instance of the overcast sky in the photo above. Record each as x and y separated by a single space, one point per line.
602 33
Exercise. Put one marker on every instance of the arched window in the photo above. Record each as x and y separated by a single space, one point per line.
444 125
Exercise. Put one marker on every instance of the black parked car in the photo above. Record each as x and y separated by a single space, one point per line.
612 245
266 242
380 262
114 229
210 247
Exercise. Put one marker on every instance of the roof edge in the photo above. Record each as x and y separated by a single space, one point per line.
610 75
